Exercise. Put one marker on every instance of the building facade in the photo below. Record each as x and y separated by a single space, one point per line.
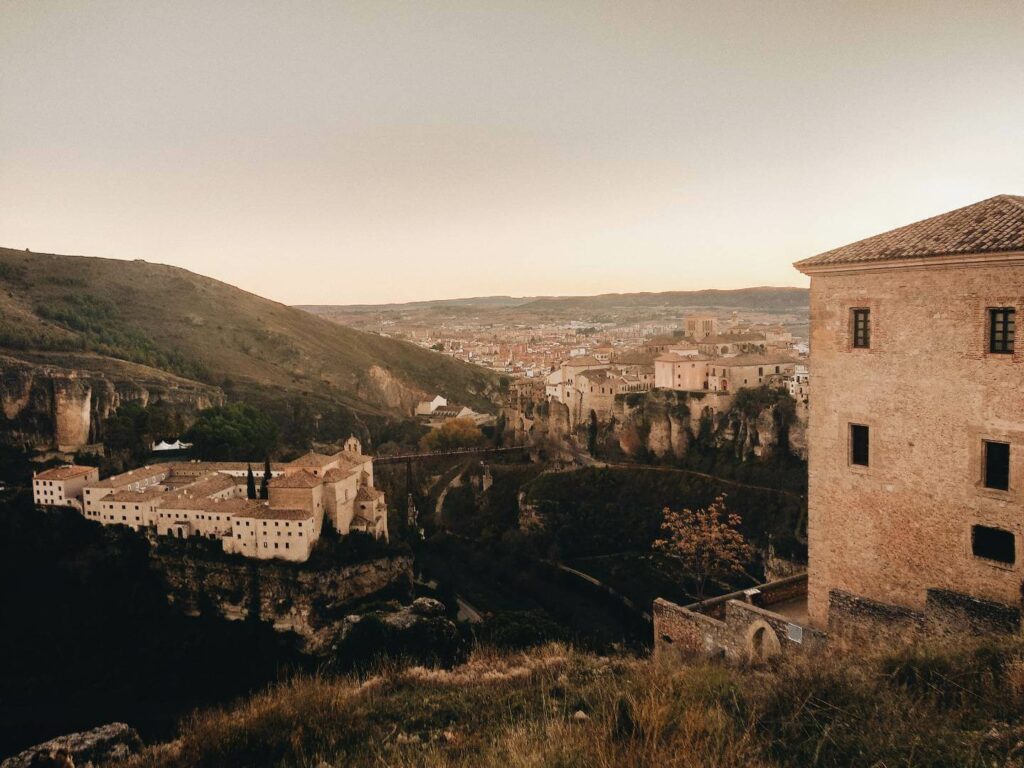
210 500
916 433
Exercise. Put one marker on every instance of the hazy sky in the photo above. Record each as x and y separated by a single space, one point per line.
338 152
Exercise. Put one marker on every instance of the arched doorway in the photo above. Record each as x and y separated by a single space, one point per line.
762 642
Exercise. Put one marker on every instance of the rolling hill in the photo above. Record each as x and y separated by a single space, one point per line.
175 321
763 299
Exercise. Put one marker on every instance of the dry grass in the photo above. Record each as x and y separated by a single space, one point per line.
924 707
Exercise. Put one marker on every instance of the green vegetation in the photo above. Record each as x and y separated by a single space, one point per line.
232 432
258 350
452 435
927 707
596 511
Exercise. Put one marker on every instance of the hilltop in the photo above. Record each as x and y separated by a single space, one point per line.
175 321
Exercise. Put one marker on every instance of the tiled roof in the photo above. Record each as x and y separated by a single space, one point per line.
64 473
365 493
133 476
262 512
300 479
995 225
311 459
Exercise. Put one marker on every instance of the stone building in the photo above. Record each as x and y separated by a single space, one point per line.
62 486
916 434
210 500
700 326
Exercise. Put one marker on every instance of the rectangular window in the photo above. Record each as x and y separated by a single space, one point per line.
862 328
993 544
1002 323
997 465
859 445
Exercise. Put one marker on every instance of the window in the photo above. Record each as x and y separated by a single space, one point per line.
993 544
862 328
859 445
997 465
1001 326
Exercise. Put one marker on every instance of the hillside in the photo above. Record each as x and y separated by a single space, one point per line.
553 706
176 321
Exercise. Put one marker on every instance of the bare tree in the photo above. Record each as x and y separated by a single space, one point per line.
706 542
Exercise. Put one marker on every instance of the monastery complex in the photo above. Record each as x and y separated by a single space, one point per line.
211 500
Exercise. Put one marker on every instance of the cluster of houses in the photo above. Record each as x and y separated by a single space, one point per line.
213 500
705 358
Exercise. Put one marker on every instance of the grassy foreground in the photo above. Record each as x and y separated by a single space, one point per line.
554 706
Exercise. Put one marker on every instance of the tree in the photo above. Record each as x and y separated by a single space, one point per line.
232 432
452 435
706 542
250 484
265 482
592 434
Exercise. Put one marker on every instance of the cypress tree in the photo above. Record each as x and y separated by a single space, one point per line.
264 490
250 484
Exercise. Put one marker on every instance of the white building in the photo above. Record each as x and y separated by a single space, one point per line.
62 486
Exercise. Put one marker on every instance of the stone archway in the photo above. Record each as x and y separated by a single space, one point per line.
761 641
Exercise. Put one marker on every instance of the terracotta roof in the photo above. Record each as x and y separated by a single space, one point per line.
135 496
334 474
64 473
258 510
300 479
365 493
133 476
311 459
584 360
992 226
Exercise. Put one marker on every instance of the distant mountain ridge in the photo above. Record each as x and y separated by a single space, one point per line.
173 320
765 298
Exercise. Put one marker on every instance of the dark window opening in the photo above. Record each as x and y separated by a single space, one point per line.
993 544
859 444
1002 323
997 465
862 328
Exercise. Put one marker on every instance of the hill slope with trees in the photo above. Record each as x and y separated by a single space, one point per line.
176 321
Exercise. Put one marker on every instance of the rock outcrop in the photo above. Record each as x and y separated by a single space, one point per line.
312 603
108 743
48 406
666 423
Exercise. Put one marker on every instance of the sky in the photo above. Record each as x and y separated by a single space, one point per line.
361 152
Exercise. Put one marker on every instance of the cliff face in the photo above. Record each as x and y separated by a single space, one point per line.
310 603
668 423
61 406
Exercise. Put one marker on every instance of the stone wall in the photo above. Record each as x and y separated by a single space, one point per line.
311 603
859 621
740 625
743 632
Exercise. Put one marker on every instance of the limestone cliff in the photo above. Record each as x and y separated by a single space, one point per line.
312 603
59 402
666 423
